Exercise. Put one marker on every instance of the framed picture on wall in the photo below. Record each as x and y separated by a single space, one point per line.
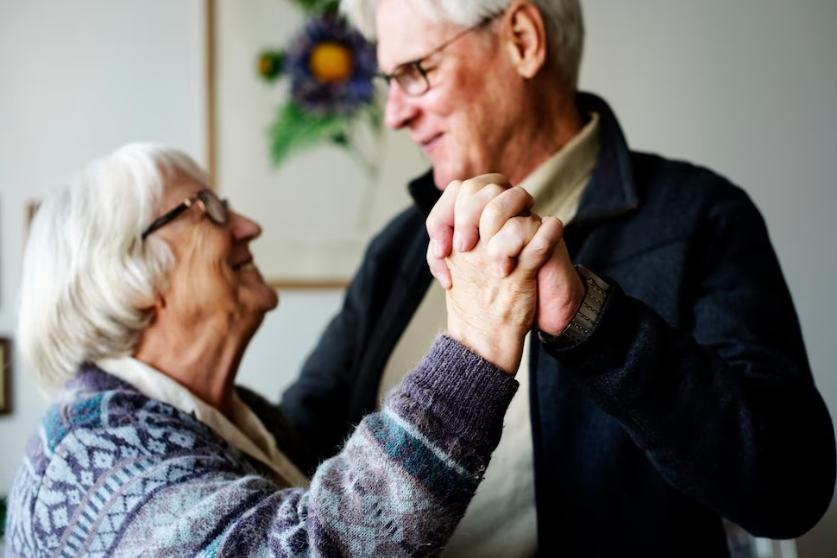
319 208
5 376
31 209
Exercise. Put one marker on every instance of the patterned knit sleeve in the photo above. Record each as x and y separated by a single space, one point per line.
140 482
405 476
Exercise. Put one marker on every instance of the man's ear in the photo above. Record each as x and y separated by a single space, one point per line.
525 34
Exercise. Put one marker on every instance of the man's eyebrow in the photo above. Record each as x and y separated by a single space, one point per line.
427 52
402 63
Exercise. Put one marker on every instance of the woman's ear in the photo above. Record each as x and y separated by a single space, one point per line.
525 34
153 305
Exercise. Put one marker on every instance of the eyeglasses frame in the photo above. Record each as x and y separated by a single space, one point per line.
417 63
199 199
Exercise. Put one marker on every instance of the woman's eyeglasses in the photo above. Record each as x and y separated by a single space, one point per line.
216 209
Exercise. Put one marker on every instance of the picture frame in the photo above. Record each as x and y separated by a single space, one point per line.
5 376
319 209
31 209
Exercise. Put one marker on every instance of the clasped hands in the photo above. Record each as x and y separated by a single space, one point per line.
504 268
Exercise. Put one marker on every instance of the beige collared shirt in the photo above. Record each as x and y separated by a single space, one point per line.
501 519
245 431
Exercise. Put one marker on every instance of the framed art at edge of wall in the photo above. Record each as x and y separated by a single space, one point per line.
5 376
31 209
319 209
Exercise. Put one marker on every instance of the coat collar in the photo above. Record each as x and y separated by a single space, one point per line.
611 190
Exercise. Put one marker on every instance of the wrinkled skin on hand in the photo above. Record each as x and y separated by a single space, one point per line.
491 311
480 210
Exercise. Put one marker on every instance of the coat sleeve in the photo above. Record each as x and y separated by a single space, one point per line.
726 409
398 488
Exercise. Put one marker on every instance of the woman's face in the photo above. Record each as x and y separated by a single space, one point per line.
215 278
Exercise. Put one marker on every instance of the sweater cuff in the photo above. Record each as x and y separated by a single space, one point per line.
464 399
452 367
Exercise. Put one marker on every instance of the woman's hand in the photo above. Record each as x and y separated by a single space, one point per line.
492 308
477 209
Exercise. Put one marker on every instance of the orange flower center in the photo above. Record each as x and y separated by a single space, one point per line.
265 65
330 62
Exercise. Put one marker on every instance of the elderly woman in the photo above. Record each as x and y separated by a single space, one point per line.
140 296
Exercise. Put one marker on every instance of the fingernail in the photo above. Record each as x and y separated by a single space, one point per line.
457 242
436 249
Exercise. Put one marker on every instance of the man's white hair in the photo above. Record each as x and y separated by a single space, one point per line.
88 278
563 20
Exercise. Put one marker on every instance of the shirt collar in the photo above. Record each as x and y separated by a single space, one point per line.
557 183
245 432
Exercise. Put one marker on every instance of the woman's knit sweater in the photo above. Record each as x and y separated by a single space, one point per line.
111 473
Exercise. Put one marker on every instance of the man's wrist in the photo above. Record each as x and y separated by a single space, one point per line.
587 316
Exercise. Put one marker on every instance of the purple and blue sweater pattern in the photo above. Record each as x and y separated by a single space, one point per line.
111 473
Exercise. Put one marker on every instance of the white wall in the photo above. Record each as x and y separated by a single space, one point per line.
746 88
78 79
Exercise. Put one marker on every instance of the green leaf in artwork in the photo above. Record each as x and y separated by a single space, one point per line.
270 65
375 117
295 130
340 138
319 6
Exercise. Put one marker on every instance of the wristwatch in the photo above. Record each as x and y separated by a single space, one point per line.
587 316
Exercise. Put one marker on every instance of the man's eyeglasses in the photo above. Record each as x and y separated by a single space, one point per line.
217 210
412 77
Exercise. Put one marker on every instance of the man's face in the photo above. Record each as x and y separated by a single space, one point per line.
464 120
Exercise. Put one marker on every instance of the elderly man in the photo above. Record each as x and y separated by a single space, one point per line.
678 394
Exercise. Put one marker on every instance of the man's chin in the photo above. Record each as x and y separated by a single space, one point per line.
444 174
442 177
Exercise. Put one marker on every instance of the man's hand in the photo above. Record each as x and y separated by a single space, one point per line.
479 208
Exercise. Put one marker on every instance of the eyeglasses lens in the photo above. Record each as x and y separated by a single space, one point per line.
411 79
216 209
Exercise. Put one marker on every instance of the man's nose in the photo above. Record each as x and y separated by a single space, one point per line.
400 108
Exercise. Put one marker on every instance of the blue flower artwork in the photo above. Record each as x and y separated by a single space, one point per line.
330 67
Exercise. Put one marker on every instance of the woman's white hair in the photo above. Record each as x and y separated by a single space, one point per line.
563 20
88 278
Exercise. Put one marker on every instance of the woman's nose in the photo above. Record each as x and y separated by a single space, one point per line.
244 228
